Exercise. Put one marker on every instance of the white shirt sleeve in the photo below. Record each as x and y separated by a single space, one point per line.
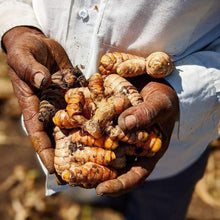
16 13
196 80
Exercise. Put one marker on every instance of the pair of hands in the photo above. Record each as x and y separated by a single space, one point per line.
34 57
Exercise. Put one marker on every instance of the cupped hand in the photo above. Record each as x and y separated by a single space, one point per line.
161 108
32 58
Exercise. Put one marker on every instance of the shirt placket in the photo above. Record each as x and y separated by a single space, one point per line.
84 21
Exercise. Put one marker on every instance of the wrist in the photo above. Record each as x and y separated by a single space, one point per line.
10 36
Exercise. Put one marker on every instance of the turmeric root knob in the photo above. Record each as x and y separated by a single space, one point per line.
75 104
117 85
62 120
96 86
159 64
83 100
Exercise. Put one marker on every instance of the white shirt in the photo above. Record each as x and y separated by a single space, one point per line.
89 28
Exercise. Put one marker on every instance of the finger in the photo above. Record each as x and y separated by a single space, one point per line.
29 103
128 181
28 69
140 116
160 102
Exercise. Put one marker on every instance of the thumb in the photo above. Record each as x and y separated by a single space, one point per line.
160 105
28 69
140 116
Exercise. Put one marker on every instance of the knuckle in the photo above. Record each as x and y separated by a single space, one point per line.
27 70
145 115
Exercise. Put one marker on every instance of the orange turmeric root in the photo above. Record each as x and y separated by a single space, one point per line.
83 103
157 64
92 154
78 136
62 120
111 61
88 175
84 154
73 91
96 87
62 152
87 148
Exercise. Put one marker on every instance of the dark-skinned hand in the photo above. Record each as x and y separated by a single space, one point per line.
32 58
160 107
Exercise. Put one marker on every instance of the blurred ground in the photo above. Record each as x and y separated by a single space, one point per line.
22 181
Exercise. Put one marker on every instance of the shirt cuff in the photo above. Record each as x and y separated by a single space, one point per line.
196 79
15 14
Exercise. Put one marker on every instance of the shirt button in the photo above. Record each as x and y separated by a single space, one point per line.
83 14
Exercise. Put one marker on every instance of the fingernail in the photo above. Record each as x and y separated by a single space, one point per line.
39 79
100 194
130 122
